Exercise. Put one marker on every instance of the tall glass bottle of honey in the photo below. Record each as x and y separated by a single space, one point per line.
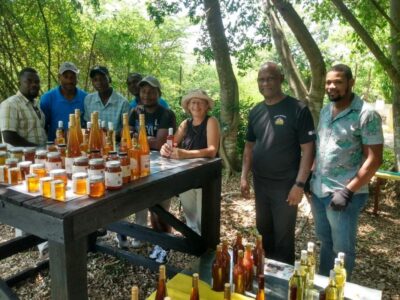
78 125
144 148
162 285
126 134
95 138
73 149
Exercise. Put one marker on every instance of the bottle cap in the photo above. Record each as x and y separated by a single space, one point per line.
110 126
297 265
88 125
103 124
337 261
303 254
170 131
60 124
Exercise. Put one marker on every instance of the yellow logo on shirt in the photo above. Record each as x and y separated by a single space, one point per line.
279 121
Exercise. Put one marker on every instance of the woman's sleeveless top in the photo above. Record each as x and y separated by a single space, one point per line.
196 136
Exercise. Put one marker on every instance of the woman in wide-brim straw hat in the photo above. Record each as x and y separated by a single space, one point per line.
197 136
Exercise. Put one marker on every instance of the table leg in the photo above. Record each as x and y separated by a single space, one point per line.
68 269
211 212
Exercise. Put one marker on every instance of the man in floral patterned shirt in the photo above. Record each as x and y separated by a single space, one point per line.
349 151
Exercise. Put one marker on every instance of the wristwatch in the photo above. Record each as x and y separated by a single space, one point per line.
300 184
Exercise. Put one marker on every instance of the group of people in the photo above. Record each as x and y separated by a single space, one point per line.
282 148
24 122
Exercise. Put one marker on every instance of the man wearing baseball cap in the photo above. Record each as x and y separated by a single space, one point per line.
108 103
61 101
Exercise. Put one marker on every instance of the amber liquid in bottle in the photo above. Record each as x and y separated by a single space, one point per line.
126 134
135 293
259 256
237 246
194 295
134 159
296 284
261 292
104 131
73 149
111 134
239 274
248 267
162 285
95 139
331 291
144 148
218 271
78 125
60 134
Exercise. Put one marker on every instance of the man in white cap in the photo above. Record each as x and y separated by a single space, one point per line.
61 101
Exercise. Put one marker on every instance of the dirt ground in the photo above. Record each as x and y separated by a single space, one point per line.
377 266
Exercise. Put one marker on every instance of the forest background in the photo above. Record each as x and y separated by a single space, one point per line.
210 44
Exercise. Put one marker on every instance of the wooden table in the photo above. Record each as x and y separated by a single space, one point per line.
67 225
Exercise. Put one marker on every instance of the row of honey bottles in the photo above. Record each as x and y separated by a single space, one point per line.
301 283
137 149
162 291
247 264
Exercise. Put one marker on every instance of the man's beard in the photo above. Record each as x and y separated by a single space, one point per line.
340 97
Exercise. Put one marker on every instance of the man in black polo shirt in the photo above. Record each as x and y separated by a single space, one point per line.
279 150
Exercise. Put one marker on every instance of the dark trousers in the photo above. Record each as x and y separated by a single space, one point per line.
275 219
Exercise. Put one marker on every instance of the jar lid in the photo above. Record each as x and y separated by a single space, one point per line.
3 153
57 172
62 146
16 149
79 175
50 143
31 176
57 181
37 166
122 154
113 164
24 163
96 161
96 178
29 150
53 155
14 169
45 179
81 159
112 152
2 146
41 152
95 151
11 161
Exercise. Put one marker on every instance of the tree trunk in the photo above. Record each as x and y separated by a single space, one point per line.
228 84
292 73
317 65
395 50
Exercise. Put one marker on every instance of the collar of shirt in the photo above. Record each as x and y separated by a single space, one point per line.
113 99
355 105
63 97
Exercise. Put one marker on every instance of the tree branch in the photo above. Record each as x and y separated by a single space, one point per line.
385 15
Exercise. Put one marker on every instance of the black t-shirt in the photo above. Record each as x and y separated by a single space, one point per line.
162 118
278 131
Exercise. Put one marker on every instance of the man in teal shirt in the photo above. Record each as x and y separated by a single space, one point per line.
349 151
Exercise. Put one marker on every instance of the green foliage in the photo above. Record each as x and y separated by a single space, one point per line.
389 160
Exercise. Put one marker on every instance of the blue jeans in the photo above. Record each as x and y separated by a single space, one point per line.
337 231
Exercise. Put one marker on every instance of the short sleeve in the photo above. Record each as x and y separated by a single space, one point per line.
305 126
371 128
8 116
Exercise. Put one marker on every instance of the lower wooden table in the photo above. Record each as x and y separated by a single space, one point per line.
67 225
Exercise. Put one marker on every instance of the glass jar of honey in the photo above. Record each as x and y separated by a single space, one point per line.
38 169
3 157
51 147
97 187
96 167
40 156
29 154
81 164
24 167
17 153
113 175
112 155
3 147
94 154
62 149
13 176
125 166
32 183
45 186
53 161
4 174
58 190
11 162
80 183
59 174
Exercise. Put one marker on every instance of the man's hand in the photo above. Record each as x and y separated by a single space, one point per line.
341 199
245 188
295 195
